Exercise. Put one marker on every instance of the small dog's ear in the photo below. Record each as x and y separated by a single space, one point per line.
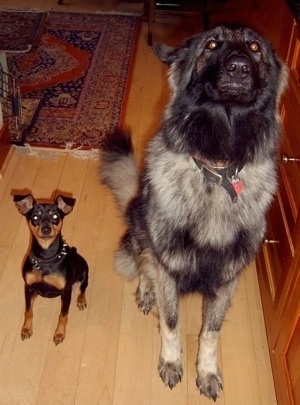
65 204
24 203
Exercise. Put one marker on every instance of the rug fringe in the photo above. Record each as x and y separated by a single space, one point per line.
52 153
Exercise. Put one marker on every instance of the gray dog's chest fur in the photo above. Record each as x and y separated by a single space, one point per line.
186 198
194 228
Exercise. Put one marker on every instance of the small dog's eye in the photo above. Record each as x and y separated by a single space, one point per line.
53 215
254 47
35 219
212 44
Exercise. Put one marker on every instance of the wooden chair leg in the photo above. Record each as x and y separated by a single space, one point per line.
151 11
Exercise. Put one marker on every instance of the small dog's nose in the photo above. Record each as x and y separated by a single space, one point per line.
46 230
238 66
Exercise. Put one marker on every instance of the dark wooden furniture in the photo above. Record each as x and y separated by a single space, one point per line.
196 14
174 11
5 145
278 263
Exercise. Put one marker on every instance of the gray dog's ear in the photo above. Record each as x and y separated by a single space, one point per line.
165 53
169 54
65 204
24 203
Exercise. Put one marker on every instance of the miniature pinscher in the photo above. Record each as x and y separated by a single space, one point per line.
51 267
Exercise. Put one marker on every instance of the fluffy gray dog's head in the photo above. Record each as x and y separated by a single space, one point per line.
226 84
224 65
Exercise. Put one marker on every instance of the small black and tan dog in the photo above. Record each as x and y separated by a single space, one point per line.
51 267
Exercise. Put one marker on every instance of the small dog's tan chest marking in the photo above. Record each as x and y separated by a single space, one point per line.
55 280
33 277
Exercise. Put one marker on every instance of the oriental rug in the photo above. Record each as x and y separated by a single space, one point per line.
20 30
74 83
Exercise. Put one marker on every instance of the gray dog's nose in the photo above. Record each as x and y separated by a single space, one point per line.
238 66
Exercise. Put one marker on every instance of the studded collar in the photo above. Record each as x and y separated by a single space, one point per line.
39 263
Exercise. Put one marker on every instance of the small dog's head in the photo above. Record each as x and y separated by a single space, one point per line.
45 220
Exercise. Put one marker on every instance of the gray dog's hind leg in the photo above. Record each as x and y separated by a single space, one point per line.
125 261
209 379
145 296
170 363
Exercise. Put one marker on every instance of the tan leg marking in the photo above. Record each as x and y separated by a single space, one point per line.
60 332
81 302
27 330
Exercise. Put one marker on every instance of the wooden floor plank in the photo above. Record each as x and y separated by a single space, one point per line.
262 358
238 356
134 351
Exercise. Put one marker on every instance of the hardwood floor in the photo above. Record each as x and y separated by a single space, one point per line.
111 350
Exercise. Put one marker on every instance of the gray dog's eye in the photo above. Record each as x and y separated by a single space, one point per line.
254 46
212 44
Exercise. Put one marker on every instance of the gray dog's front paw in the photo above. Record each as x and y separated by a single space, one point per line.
170 373
210 384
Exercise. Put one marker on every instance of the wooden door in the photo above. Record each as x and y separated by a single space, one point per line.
278 262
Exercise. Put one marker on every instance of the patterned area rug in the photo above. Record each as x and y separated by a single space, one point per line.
77 76
20 30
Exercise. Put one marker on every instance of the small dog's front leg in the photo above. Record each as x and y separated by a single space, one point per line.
81 299
81 302
27 331
60 332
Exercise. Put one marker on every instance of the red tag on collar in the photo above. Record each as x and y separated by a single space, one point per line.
238 186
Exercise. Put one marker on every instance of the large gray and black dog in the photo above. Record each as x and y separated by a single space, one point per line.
196 215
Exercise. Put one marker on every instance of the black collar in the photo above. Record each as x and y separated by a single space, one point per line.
221 176
38 263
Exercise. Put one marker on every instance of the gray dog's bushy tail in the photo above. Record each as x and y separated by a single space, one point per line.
119 170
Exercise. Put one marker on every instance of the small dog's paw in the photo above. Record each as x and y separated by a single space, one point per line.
58 338
145 300
210 384
81 303
170 373
26 333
